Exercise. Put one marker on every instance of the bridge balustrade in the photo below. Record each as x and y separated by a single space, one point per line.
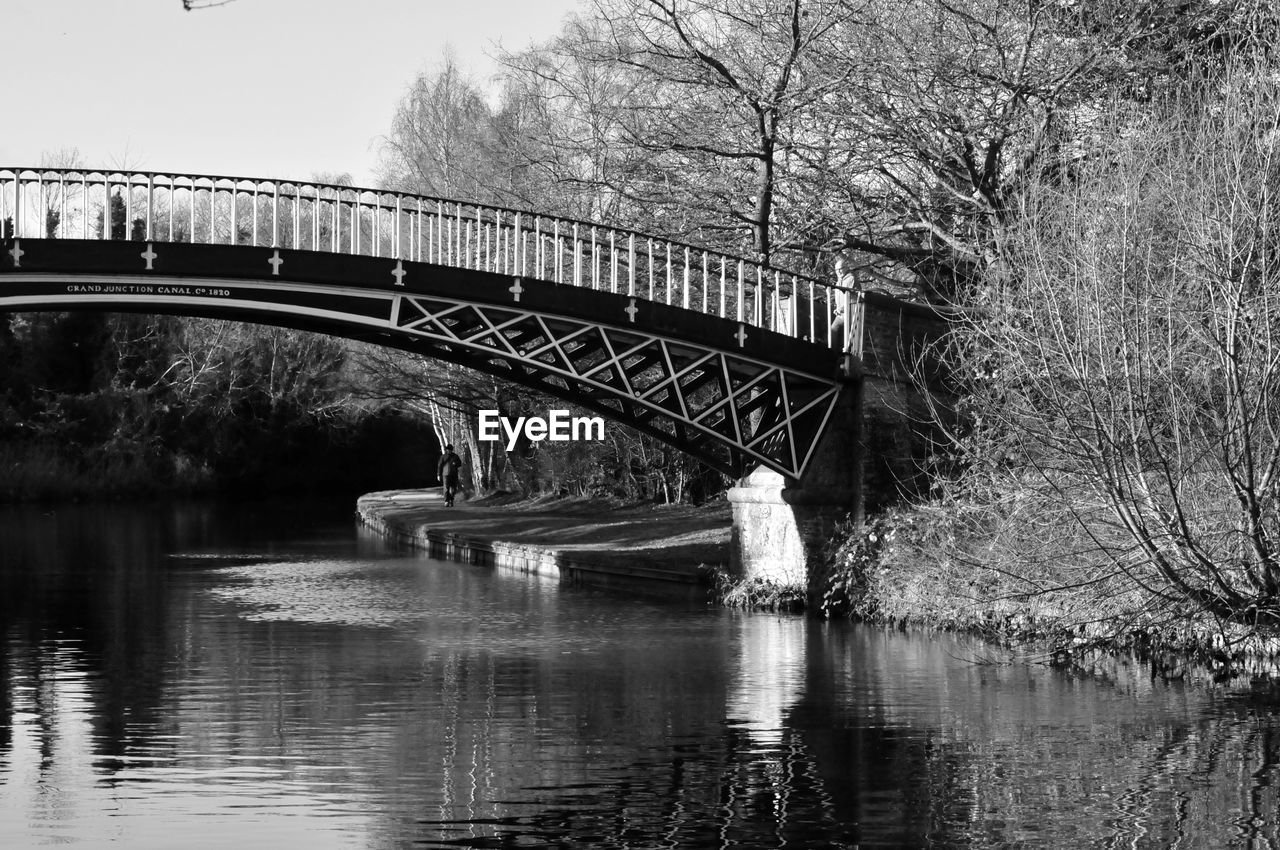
74 203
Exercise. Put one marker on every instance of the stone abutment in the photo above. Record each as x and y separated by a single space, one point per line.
874 452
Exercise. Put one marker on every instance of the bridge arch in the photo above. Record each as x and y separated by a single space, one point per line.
731 362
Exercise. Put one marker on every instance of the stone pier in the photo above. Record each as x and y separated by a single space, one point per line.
873 452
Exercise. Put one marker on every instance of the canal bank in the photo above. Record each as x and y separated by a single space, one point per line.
674 548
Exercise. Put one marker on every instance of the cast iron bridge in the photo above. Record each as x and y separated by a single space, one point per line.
728 360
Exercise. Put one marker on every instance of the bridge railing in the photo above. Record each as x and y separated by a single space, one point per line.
160 207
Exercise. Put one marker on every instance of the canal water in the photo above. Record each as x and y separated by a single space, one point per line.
209 675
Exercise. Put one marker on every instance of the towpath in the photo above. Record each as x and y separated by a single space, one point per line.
576 540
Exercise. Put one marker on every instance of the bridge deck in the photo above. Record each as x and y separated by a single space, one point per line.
727 360
159 207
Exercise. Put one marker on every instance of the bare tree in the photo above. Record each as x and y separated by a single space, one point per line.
442 139
682 109
450 396
950 106
568 136
1124 366
55 198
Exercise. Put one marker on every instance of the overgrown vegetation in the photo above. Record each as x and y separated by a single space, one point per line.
107 405
1124 370
1117 476
756 594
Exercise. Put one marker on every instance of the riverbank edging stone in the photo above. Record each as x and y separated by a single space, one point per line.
418 520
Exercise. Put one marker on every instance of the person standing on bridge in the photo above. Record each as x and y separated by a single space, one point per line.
447 470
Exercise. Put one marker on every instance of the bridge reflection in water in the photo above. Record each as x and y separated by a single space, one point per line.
159 665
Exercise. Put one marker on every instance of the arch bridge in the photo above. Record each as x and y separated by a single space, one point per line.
728 360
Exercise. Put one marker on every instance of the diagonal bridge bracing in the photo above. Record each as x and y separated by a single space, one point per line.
662 337
722 407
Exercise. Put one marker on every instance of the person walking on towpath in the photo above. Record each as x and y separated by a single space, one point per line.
447 469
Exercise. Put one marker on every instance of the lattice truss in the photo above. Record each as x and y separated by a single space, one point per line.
728 410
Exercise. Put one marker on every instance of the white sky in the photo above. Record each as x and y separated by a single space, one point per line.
258 88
